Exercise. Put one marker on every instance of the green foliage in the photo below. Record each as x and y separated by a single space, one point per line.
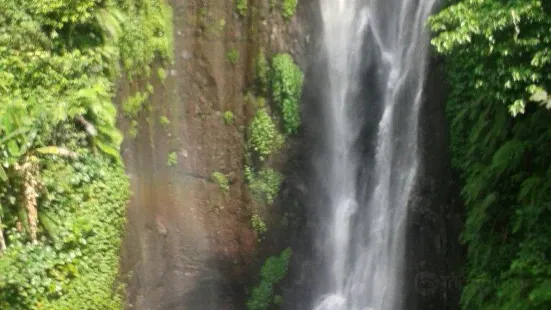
165 122
273 272
229 118
221 180
263 185
287 88
262 68
258 224
134 129
76 263
63 189
172 159
233 56
242 7
221 24
264 138
161 73
289 8
134 104
498 61
146 34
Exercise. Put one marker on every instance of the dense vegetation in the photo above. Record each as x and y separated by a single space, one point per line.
273 271
62 185
499 67
287 89
281 82
288 7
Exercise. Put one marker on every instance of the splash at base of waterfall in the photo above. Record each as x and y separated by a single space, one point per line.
335 302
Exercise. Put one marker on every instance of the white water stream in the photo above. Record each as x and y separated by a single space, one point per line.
366 259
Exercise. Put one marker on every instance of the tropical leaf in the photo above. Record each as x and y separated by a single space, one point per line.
111 21
509 155
539 96
108 150
14 134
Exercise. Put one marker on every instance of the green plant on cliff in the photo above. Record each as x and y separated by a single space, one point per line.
262 68
229 118
134 129
498 64
258 224
221 180
172 159
242 7
272 273
134 104
287 89
289 7
146 34
264 139
165 122
264 185
63 189
233 56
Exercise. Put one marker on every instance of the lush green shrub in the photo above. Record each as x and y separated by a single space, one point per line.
134 104
273 271
146 33
165 122
264 185
161 74
221 180
289 8
264 138
134 129
75 265
262 68
229 118
287 88
258 224
498 61
63 189
172 159
242 7
233 56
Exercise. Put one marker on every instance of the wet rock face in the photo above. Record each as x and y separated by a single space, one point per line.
434 254
189 245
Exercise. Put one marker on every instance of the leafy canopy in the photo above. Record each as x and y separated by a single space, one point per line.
498 60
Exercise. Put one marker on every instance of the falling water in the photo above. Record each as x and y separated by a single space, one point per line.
364 237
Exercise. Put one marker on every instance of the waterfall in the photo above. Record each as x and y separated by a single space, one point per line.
382 44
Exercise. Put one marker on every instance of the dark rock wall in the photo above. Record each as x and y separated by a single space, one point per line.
434 255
